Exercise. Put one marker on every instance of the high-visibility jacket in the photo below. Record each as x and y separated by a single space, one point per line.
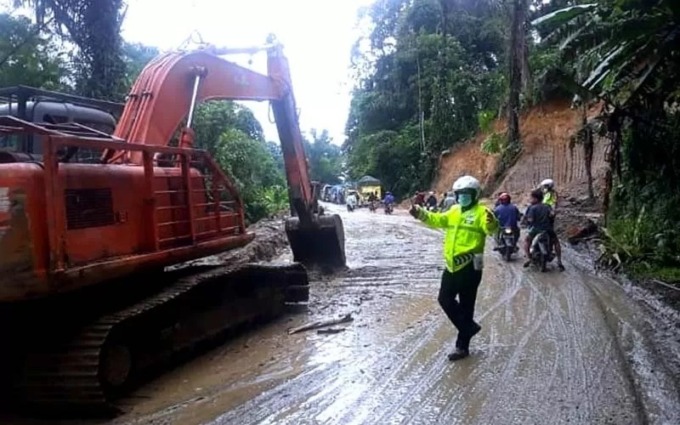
466 232
550 198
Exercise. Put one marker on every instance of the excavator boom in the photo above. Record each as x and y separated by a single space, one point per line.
166 94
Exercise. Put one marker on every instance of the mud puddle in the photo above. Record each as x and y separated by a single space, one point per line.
554 348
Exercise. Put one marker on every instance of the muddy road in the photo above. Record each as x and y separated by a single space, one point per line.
554 348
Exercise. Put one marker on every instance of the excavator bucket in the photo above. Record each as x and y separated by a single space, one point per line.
322 243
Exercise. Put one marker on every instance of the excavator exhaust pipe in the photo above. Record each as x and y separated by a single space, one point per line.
320 244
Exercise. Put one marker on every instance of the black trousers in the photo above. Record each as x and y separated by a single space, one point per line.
462 284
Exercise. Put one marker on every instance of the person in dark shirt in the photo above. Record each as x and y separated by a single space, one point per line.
539 218
419 199
507 214
431 202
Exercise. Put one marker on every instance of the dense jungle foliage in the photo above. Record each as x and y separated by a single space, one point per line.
62 51
430 73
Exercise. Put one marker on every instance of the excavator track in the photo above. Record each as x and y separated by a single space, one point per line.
110 356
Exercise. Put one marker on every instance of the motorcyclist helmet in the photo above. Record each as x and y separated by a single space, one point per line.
504 198
467 184
548 184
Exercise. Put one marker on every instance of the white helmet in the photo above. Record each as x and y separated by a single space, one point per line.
549 183
467 182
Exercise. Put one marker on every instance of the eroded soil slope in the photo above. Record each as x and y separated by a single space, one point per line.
546 132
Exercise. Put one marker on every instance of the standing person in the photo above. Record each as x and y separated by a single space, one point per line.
467 226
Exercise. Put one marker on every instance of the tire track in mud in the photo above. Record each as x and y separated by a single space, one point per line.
549 350
436 366
314 397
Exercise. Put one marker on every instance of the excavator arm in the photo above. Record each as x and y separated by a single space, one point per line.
166 94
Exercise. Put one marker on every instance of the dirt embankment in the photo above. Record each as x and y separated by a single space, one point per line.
546 133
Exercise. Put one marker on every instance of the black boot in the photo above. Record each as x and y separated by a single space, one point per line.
458 354
463 343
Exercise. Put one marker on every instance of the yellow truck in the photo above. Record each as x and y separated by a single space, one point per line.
367 185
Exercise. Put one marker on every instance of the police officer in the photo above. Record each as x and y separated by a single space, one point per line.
467 225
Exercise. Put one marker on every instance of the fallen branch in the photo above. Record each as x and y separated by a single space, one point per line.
665 284
330 331
321 324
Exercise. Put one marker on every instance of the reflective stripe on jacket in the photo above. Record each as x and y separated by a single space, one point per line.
466 233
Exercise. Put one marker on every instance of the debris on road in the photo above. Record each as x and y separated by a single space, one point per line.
330 331
321 324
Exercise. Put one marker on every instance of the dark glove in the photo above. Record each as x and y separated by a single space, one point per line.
490 217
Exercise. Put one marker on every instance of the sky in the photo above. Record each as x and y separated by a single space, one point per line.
317 36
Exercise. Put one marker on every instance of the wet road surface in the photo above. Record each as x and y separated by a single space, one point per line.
555 348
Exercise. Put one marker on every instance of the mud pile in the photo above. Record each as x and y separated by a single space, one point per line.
270 240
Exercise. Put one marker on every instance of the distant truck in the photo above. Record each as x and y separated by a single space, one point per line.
367 185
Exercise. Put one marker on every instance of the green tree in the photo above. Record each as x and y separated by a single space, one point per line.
324 158
136 56
625 53
215 118
254 172
431 68
27 57
94 27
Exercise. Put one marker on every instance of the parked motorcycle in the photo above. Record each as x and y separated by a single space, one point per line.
541 251
507 244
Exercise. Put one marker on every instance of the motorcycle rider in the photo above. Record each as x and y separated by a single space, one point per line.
372 199
351 201
538 216
467 225
431 202
419 199
448 202
549 193
550 198
389 200
508 215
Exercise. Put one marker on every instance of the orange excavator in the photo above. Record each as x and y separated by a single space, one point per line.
91 221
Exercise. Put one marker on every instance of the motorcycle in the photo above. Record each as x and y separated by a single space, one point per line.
507 244
388 209
541 251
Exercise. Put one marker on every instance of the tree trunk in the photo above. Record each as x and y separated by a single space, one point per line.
588 148
516 63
